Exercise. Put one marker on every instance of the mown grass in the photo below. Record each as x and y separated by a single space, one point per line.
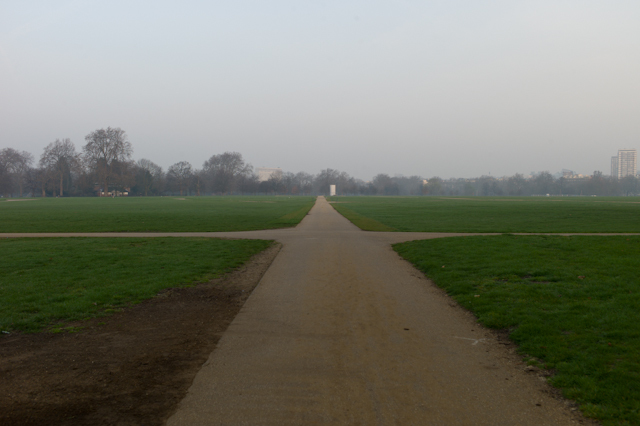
573 303
363 222
492 214
44 281
153 214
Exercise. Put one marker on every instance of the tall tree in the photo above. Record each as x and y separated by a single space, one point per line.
105 149
516 184
15 164
225 170
385 185
60 159
305 182
629 185
325 178
180 175
148 175
5 179
544 183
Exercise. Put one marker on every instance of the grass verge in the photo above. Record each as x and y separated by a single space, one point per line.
571 303
493 214
154 214
46 281
363 222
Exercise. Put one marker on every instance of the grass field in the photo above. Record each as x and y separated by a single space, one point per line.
492 214
48 280
573 303
153 214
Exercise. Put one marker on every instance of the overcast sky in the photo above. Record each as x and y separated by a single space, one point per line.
431 88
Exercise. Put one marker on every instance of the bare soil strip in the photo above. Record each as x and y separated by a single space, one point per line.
131 368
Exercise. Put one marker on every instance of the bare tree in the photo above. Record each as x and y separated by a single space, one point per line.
198 180
180 174
148 175
629 185
60 159
544 183
516 184
385 184
325 178
289 183
105 149
225 170
305 182
5 179
15 165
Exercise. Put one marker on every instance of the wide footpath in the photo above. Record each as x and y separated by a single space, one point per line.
341 330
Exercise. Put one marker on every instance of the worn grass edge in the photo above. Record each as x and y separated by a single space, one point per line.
363 222
57 325
530 360
298 215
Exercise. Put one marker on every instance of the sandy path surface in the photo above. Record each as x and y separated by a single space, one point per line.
342 331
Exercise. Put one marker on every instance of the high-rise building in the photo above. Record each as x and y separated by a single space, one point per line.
614 167
627 163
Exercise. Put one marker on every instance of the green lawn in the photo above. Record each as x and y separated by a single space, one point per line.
492 214
573 303
47 280
153 214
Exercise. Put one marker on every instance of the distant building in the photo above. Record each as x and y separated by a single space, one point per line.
266 173
626 163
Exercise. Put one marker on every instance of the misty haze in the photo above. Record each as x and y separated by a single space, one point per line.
292 213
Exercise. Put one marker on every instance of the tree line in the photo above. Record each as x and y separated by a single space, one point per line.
104 166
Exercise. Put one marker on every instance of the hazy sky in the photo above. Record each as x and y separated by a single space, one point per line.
432 88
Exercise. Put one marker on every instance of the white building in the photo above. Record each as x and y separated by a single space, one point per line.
266 173
626 164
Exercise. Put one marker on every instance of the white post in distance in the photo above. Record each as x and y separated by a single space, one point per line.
332 190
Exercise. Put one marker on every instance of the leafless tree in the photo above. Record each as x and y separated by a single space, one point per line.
181 175
516 184
385 184
5 179
544 183
15 165
325 178
198 181
305 182
60 159
104 153
148 175
289 183
223 171
629 185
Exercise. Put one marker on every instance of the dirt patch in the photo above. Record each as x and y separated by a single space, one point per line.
22 199
131 368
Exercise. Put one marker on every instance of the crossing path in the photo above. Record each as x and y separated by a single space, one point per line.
341 330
